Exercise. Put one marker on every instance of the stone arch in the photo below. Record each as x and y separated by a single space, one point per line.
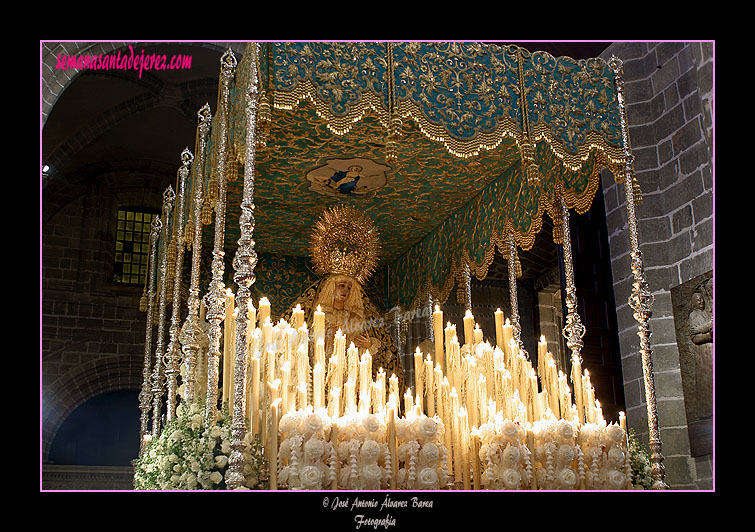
60 398
55 81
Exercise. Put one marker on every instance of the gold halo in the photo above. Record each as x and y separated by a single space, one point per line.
345 241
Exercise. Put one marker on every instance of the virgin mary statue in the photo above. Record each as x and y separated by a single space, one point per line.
344 247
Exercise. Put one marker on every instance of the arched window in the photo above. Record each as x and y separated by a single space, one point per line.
132 245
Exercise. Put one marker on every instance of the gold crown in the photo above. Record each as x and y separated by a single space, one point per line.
345 241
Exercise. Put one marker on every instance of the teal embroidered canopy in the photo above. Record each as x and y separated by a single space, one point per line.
449 148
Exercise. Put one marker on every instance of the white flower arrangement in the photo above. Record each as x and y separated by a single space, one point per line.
187 455
565 456
421 453
639 460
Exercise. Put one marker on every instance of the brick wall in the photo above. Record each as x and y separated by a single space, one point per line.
669 93
92 330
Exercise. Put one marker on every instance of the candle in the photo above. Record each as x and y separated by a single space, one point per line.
430 386
302 395
576 378
454 363
482 394
499 328
468 327
267 334
418 373
318 386
477 332
475 457
393 387
334 403
438 381
455 419
297 317
471 373
534 396
438 337
623 421
445 400
229 343
334 441
350 403
508 334
392 444
274 444
285 381
319 324
463 445
264 310
255 406
408 402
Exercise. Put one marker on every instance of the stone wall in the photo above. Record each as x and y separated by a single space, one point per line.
669 94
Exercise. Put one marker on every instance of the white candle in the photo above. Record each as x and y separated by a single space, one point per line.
468 327
392 444
274 444
477 332
317 384
438 337
429 386
576 378
499 328
418 373
507 332
319 324
297 317
264 310
255 407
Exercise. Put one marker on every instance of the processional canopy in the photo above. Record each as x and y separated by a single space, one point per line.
449 148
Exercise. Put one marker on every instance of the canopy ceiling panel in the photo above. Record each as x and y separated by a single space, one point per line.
448 147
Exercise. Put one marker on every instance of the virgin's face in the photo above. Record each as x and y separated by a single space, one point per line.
343 289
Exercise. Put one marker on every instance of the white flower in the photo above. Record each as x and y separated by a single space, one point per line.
486 432
509 429
566 453
214 431
194 408
370 423
429 453
488 450
216 477
313 449
404 429
615 432
289 423
511 455
427 478
616 456
565 429
310 477
225 448
372 472
511 478
615 479
426 428
195 466
370 451
567 479
221 461
313 423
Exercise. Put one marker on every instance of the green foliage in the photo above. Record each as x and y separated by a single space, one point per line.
640 461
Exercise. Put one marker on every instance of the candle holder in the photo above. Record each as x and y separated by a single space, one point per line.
641 300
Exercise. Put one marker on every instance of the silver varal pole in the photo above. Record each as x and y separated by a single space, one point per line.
173 356
641 299
244 263
145 396
169 198
216 295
